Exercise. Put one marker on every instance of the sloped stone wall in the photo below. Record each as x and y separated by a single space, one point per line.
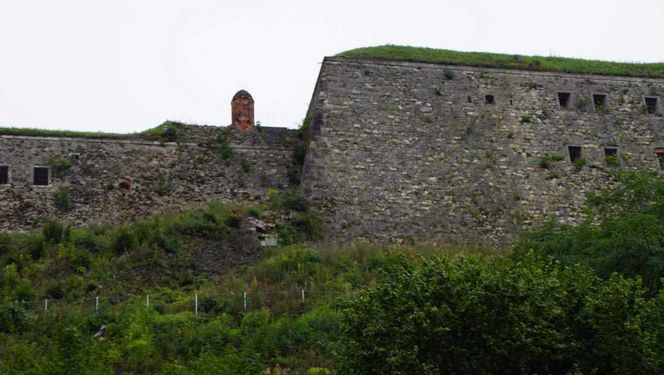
163 176
403 150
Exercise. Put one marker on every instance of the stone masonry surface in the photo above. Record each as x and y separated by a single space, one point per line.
396 151
401 150
162 177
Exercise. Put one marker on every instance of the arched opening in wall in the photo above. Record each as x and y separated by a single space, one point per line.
4 174
124 184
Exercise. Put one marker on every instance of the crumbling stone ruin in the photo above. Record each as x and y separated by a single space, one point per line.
395 151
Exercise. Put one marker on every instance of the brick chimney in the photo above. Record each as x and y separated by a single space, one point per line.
242 108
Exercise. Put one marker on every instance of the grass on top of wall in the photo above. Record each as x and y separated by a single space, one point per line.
505 61
160 132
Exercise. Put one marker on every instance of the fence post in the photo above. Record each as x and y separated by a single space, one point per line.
45 304
302 295
245 301
196 304
147 300
97 304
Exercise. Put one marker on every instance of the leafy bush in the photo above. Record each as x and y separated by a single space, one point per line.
580 163
612 160
289 199
224 148
622 233
62 200
170 133
476 316
59 164
161 189
55 232
546 161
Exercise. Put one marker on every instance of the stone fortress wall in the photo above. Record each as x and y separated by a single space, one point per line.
395 151
402 150
115 180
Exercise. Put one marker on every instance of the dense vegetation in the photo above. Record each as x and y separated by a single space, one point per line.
560 302
497 60
624 232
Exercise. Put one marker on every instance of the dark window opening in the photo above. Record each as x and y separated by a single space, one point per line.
574 153
611 156
511 102
489 99
4 175
599 100
470 100
124 184
651 104
659 151
40 176
563 99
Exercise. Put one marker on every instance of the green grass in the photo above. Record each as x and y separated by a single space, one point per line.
163 131
505 61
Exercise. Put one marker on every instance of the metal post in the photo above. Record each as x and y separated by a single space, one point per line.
97 304
147 300
196 304
245 301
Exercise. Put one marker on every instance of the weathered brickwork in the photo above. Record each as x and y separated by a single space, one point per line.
118 180
404 150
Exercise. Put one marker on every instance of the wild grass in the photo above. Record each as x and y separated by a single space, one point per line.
165 132
505 61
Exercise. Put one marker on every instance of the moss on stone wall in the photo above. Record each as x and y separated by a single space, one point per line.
505 61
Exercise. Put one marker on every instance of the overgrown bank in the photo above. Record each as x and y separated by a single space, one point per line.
365 309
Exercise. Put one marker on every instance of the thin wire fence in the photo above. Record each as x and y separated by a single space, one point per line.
197 302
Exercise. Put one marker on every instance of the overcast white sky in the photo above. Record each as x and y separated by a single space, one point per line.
128 65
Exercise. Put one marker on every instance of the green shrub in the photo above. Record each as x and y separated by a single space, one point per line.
289 199
59 164
581 102
580 163
525 119
612 160
123 240
62 200
170 133
546 161
13 317
622 233
440 317
55 231
224 148
307 225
